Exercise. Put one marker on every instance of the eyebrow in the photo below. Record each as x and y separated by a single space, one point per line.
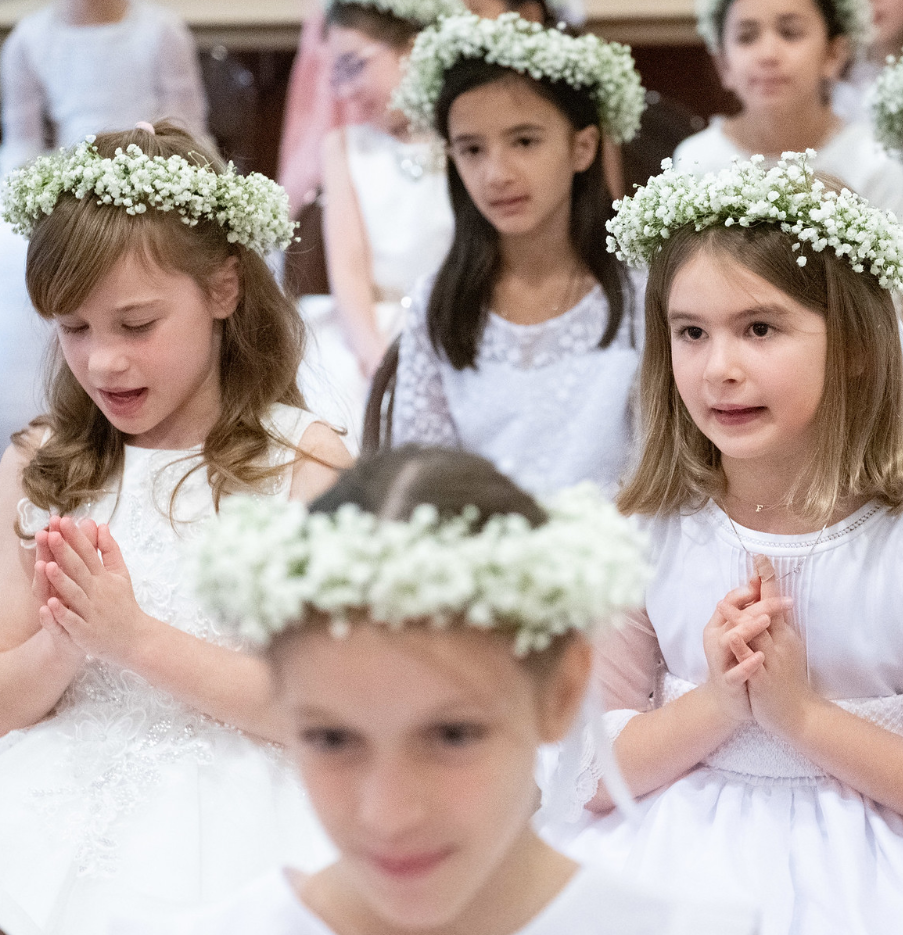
510 131
772 311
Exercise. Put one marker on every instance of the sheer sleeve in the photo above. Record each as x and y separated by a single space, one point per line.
421 411
24 103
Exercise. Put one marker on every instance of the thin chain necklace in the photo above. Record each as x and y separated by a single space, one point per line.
798 567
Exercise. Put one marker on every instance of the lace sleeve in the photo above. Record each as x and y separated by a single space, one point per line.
421 409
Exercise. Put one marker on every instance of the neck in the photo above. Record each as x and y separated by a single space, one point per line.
95 12
536 254
794 129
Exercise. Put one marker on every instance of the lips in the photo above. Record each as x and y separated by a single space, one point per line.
736 415
408 866
508 205
123 402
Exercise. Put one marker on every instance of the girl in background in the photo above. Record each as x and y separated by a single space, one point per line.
781 59
524 347
136 770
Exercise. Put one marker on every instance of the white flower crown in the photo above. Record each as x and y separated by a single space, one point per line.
424 12
604 69
266 566
886 103
252 209
788 195
854 17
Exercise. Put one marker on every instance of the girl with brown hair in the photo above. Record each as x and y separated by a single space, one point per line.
136 733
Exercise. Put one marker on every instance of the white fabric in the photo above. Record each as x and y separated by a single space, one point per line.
851 155
850 97
757 818
592 903
88 79
544 402
125 799
409 224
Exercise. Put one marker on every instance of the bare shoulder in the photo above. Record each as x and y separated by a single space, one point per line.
324 457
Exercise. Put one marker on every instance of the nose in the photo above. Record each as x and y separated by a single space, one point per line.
768 45
497 167
107 359
391 799
723 363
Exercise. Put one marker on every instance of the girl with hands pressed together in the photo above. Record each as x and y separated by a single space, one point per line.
756 704
137 768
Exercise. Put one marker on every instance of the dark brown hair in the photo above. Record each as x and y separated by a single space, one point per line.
859 421
72 250
379 25
458 306
827 9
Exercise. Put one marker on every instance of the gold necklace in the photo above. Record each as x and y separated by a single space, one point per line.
798 567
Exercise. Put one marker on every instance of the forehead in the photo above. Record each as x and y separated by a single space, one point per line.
378 674
502 106
343 41
741 11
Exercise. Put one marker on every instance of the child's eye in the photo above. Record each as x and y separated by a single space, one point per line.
328 739
72 329
691 333
746 36
458 734
466 151
760 329
138 329
526 141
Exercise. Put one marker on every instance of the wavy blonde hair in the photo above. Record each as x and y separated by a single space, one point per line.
859 421
71 251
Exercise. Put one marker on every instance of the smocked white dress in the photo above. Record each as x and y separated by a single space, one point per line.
592 903
124 799
402 193
756 817
544 402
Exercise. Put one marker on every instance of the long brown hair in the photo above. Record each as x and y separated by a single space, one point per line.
859 421
71 251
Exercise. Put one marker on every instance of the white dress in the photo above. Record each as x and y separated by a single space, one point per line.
89 79
592 903
402 193
757 817
544 402
125 799
852 155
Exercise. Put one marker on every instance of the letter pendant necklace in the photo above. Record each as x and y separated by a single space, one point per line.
798 566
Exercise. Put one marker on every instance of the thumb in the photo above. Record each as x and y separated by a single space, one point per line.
767 577
109 551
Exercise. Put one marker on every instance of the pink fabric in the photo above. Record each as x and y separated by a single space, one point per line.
311 111
626 662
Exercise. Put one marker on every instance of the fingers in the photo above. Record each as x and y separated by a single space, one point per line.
68 590
772 606
742 671
747 628
109 551
767 575
89 529
742 596
70 561
80 543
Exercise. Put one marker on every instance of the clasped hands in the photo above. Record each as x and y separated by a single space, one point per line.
757 660
87 603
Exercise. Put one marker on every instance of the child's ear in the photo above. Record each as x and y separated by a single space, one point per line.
838 56
563 690
225 288
586 145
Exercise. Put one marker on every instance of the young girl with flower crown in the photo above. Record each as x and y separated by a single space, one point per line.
386 217
136 770
772 387
781 58
523 348
426 626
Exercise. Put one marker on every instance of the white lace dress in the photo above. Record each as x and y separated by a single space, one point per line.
592 903
756 817
402 193
124 799
544 402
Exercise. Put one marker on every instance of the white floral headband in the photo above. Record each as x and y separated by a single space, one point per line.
854 17
423 12
604 69
252 209
788 195
886 102
266 566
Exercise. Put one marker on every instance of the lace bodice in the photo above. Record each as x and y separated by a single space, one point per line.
544 402
121 729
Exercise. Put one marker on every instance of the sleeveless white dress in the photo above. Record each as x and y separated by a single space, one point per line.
592 903
124 799
756 817
402 193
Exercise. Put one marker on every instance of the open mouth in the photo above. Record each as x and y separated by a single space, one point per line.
123 402
737 415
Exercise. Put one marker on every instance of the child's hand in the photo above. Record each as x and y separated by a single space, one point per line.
94 602
738 619
779 691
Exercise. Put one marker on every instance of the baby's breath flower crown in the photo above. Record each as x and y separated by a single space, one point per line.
605 69
886 101
424 12
266 566
253 210
854 17
747 193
